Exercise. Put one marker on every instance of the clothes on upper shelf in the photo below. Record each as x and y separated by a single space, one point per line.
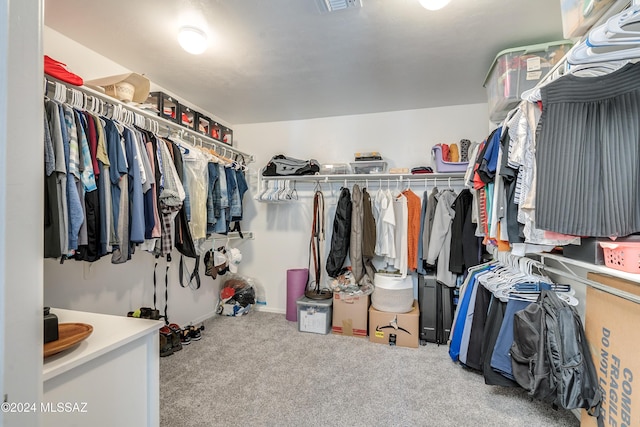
110 187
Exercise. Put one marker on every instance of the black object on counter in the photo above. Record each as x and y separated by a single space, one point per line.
50 326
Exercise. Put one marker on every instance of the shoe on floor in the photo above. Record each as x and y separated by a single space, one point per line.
174 338
166 349
185 339
195 333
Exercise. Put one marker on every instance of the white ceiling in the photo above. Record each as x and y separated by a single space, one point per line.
273 60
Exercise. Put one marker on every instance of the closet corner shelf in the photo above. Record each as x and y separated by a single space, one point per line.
246 235
364 177
567 262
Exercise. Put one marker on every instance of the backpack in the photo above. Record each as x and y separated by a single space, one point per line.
281 165
551 358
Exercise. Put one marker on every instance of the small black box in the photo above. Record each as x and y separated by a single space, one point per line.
203 124
50 326
187 117
165 106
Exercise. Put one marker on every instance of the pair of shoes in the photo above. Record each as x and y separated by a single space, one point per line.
166 347
185 339
174 337
194 332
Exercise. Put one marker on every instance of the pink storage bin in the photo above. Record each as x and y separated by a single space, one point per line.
443 166
622 256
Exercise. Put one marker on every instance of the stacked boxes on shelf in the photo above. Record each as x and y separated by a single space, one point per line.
171 109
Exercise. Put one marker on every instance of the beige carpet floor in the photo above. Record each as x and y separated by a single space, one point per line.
258 370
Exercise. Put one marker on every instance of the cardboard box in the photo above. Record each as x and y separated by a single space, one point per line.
399 329
611 326
314 315
350 315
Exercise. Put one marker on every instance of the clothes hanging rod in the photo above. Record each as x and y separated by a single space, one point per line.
174 127
604 288
440 177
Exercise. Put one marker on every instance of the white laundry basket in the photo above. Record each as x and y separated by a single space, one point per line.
392 293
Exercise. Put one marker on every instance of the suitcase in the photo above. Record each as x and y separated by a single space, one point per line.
436 309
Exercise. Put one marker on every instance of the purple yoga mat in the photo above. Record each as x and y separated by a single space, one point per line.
296 285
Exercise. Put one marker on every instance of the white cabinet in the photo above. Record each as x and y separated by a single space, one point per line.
109 379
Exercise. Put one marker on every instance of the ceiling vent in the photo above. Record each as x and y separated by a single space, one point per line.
336 5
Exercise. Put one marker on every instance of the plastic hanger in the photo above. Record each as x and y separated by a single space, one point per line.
610 41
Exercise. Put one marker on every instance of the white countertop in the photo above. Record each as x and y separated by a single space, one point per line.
109 333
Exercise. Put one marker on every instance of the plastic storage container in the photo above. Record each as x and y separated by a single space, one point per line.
314 315
334 169
370 166
578 16
443 166
622 256
392 293
515 70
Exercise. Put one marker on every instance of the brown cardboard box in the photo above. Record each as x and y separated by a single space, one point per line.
611 326
350 315
401 327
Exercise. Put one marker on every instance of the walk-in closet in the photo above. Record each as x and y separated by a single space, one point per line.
319 212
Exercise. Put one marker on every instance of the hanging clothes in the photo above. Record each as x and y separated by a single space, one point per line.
430 202
368 235
413 228
89 243
74 204
51 216
368 226
494 321
385 224
355 238
340 237
401 213
135 195
588 141
197 171
440 241
465 246
213 198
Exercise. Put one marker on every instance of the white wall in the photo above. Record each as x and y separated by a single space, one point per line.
282 231
21 206
404 138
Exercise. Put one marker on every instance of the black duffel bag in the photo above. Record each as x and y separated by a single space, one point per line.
281 165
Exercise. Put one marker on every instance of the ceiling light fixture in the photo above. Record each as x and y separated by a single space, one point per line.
434 4
193 40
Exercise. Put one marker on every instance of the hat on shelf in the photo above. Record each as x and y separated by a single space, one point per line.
125 87
59 70
234 257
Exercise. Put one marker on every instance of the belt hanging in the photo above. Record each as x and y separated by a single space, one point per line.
317 237
166 288
195 274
